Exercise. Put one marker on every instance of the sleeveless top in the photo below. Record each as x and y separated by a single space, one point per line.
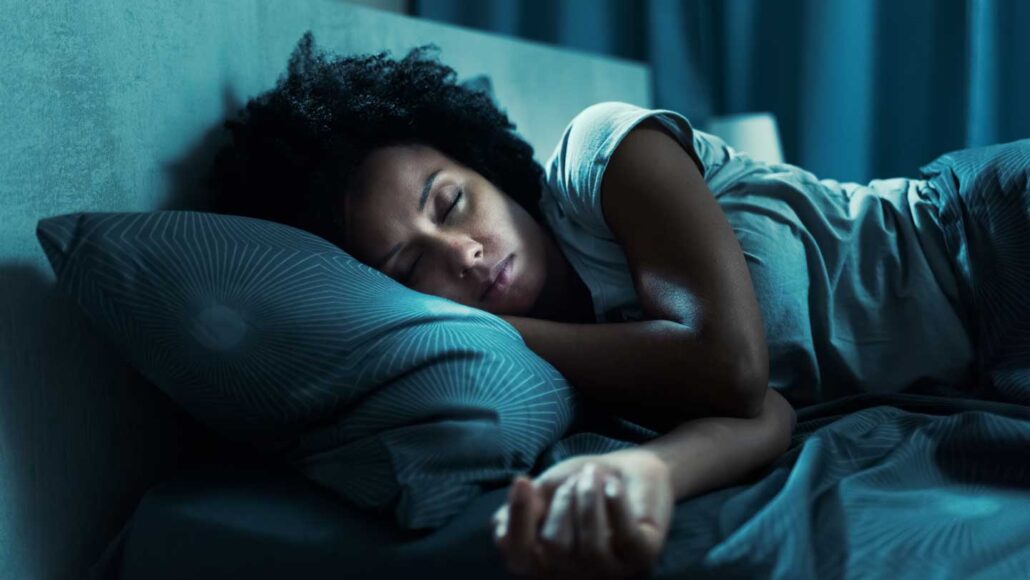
854 283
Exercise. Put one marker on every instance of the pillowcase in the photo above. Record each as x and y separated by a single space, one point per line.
392 398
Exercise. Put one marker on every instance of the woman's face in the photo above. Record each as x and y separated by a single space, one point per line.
453 245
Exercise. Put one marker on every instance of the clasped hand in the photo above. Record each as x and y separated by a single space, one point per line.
594 516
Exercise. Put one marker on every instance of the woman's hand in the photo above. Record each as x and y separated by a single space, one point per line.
594 516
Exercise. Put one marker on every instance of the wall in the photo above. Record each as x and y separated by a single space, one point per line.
396 6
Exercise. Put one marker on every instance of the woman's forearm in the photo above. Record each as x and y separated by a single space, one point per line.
716 452
654 362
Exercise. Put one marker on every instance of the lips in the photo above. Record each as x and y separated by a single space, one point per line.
495 274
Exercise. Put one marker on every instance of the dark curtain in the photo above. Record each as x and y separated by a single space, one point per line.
861 89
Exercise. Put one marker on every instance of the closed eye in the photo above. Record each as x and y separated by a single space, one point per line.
411 271
456 198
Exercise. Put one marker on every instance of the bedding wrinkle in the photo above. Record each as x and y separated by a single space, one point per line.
984 201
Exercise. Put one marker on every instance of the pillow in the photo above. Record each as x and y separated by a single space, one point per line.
392 398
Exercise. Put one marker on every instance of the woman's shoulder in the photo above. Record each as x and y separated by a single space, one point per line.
575 169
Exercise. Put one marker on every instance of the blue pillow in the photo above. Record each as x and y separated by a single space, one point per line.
392 398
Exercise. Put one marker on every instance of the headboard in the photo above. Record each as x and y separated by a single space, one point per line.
117 106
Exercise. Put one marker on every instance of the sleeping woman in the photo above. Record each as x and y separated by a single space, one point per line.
667 276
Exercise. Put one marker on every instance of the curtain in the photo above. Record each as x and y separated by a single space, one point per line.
861 89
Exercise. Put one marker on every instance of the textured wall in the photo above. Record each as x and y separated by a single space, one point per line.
398 6
116 106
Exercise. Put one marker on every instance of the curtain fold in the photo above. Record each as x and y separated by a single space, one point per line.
861 89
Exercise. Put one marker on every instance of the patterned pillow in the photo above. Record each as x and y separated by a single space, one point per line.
392 398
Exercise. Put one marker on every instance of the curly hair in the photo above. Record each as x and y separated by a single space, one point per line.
295 149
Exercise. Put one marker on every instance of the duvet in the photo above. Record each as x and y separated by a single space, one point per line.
927 484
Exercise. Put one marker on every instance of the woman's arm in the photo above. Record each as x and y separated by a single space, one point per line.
564 502
648 363
716 452
704 343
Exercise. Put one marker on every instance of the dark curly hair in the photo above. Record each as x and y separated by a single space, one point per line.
294 149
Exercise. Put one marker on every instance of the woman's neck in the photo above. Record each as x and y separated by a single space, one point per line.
565 297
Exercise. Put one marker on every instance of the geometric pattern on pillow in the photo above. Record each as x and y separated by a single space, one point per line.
391 397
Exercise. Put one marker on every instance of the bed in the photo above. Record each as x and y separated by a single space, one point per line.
900 486
108 476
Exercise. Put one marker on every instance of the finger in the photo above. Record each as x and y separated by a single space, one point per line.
499 523
593 546
500 532
586 524
630 543
521 527
558 534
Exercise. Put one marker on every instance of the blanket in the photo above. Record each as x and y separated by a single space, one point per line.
927 484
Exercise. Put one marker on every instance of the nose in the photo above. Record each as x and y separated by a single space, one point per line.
464 254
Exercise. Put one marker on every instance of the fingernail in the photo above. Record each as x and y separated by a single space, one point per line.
586 479
549 532
611 488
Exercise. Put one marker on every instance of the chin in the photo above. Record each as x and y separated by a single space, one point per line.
530 308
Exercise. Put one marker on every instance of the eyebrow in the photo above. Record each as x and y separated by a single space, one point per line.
426 188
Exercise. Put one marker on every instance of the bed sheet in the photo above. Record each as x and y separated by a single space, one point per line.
899 486
930 483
